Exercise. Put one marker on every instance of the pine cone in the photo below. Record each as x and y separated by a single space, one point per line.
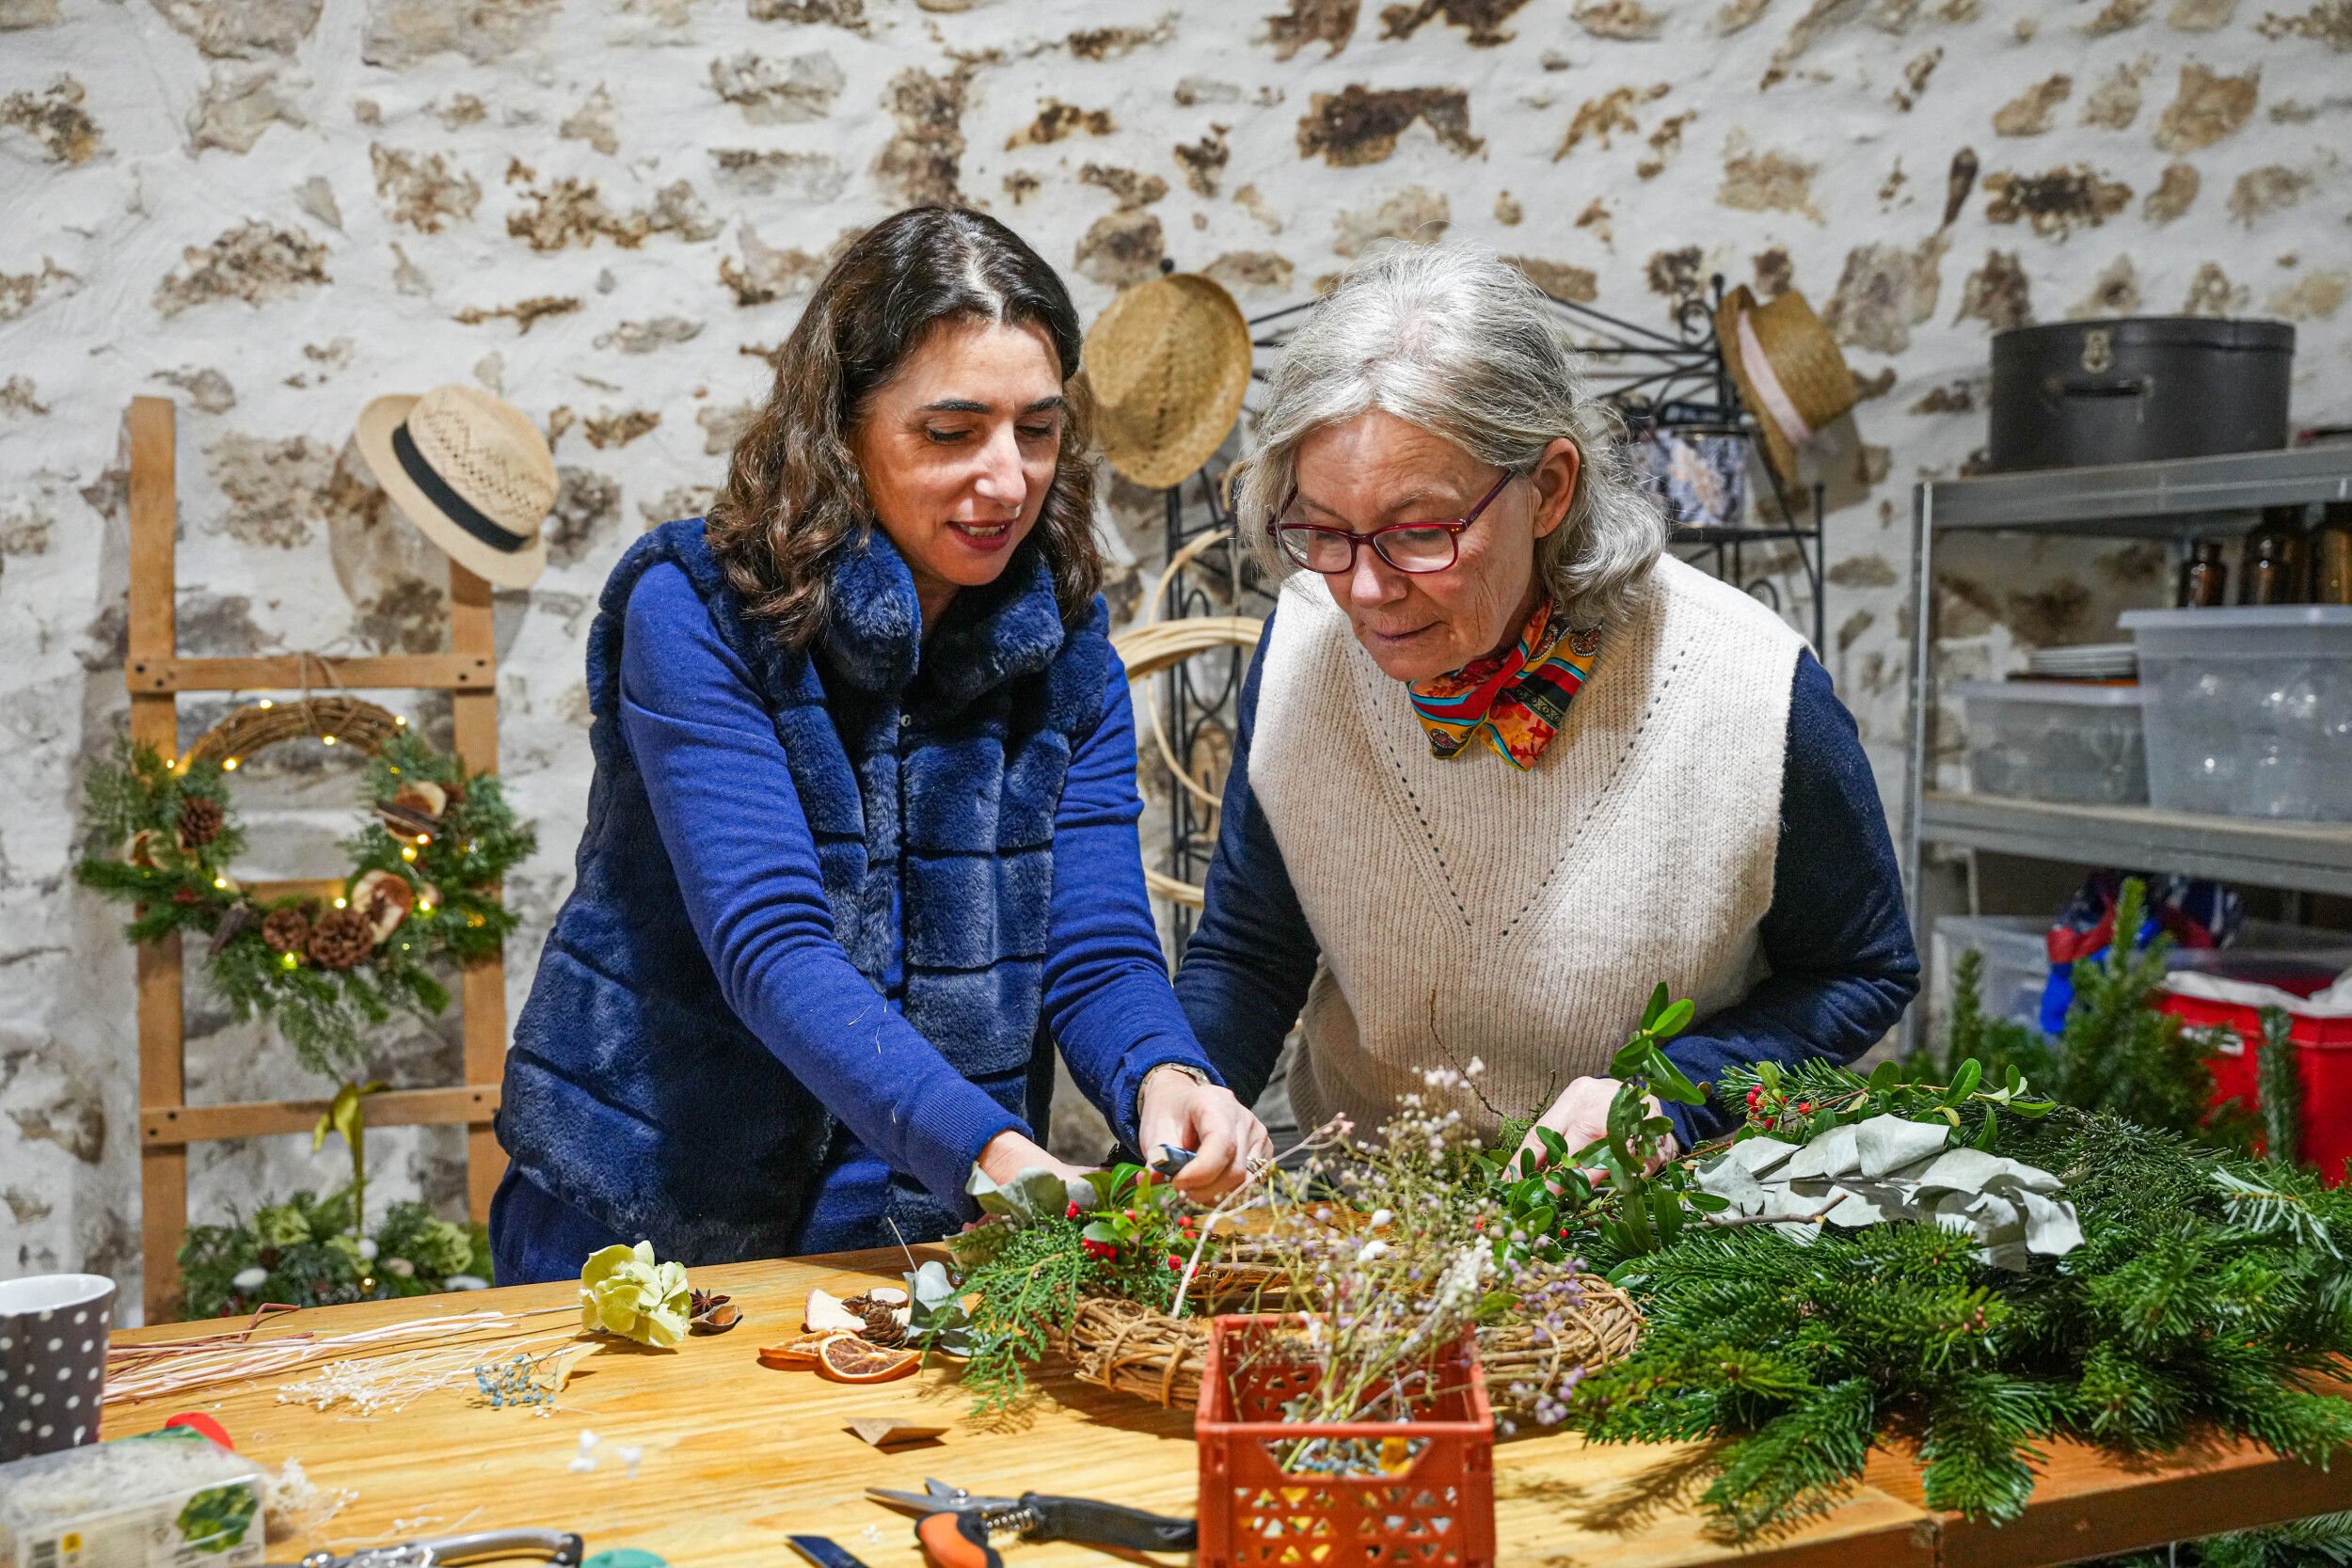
286 931
200 820
340 938
881 1322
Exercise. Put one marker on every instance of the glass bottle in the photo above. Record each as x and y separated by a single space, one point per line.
2273 571
2204 577
2331 554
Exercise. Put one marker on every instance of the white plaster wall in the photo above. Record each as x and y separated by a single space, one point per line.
273 210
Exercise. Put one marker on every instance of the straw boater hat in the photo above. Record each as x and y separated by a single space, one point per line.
469 470
1167 363
1788 370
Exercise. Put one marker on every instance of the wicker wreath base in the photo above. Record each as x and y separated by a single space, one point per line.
1131 1349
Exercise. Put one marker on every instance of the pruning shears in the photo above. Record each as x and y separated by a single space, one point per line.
561 1548
955 1526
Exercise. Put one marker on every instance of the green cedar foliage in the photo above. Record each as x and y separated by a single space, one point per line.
305 1245
2208 1290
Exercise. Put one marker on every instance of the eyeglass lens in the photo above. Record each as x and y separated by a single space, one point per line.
1407 550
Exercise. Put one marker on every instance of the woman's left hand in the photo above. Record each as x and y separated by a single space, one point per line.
1225 1137
1581 1115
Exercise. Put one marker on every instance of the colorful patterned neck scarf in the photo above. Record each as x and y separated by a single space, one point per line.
1517 699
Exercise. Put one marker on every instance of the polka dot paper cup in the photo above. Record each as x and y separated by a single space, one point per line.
53 1360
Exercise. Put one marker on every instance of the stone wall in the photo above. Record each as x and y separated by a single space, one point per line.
609 211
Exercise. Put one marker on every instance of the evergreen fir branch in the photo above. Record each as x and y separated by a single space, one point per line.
2274 1207
2280 1088
1799 1464
1976 1453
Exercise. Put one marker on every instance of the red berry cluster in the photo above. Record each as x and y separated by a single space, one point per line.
1769 1111
1100 1251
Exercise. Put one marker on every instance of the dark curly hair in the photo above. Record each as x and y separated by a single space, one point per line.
794 499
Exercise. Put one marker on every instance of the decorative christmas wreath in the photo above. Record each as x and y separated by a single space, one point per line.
421 890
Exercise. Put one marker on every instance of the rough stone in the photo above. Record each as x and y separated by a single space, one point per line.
1997 293
618 430
587 513
1606 115
1559 279
832 13
1768 182
1664 142
254 262
1204 161
811 176
1056 121
1412 213
1776 275
1676 274
24 526
765 275
243 28
724 426
592 123
2117 16
425 192
2174 193
1883 293
1330 22
1250 201
646 336
1251 271
1482 19
2116 293
55 119
20 291
2208 108
403 33
786 92
2266 190
1121 248
921 165
76 1124
1627 21
275 487
1915 75
1738 16
2328 22
18 15
2315 297
2114 103
2212 293
571 212
316 197
1863 571
1127 188
20 397
2055 202
525 313
1507 209
1821 17
2199 16
683 500
1357 125
1104 44
2028 113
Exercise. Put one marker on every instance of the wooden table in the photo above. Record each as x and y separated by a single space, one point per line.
737 1456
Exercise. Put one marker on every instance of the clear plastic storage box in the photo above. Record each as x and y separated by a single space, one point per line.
2249 710
2056 740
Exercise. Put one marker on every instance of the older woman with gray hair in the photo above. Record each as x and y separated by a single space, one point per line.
1504 765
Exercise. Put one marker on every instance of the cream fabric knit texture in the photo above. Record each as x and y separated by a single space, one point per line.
1465 909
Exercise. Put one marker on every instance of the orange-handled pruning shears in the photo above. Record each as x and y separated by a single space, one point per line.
955 1526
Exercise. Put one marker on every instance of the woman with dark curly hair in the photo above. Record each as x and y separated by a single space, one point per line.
861 846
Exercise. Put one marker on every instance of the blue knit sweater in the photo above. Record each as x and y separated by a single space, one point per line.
1836 936
832 911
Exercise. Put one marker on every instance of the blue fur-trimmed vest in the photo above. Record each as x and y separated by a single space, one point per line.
633 1092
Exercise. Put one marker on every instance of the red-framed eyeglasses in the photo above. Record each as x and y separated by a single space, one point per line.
1415 548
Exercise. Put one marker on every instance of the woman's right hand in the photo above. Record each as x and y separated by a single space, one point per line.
1010 1153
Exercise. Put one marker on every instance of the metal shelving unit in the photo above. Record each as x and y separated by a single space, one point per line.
2174 499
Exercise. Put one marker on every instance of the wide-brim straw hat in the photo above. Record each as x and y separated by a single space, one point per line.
1167 363
1789 372
469 470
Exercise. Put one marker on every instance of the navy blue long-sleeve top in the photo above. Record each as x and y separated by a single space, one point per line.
1836 938
722 797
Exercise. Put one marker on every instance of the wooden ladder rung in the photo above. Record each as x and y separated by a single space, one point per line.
156 674
163 1125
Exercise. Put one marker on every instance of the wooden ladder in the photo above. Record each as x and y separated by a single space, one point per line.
156 675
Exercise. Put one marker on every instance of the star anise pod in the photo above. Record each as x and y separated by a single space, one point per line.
711 1314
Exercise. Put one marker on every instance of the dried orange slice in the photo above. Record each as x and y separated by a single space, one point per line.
850 1359
799 1353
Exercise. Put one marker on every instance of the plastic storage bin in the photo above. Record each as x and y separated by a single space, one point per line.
2056 740
2249 710
2325 1056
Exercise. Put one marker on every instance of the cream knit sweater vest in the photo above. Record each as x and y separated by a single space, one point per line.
1465 909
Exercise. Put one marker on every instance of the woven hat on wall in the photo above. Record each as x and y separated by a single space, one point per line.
1167 363
1789 372
469 470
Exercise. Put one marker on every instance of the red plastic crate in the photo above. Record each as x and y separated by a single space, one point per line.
2326 1060
1437 1511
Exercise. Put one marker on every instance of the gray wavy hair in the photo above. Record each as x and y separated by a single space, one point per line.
1453 338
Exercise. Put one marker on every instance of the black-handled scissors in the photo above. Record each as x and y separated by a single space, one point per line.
955 1526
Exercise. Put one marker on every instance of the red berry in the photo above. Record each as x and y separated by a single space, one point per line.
1807 1105
1073 1212
1175 1263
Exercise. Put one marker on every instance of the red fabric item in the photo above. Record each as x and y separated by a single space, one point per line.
196 1420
